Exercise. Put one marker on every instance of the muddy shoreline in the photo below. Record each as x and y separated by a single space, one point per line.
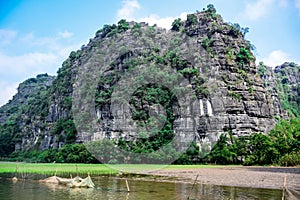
252 177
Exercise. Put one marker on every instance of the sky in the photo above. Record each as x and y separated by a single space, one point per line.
37 36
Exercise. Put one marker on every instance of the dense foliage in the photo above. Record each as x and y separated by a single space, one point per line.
281 146
150 138
7 144
66 128
110 30
70 153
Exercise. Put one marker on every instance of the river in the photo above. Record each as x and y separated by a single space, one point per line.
114 188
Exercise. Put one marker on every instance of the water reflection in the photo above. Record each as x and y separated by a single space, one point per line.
112 188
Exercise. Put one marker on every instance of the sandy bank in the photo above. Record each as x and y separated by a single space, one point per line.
255 177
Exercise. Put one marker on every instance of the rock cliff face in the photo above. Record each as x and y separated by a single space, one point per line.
282 83
21 120
25 94
229 93
239 101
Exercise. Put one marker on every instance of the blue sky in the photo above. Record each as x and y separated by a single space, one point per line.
37 36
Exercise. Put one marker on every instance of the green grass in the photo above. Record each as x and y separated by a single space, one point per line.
50 168
93 169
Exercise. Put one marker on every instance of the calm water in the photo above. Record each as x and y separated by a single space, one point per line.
114 189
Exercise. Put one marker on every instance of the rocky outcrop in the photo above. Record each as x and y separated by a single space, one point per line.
238 99
22 118
230 96
282 83
25 93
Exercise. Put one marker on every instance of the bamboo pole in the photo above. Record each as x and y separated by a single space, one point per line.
127 185
284 187
16 172
193 186
15 179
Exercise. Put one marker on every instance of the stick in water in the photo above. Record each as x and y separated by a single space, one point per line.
193 186
284 187
16 171
127 185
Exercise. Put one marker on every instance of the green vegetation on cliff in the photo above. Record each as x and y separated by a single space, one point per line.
28 105
280 147
283 82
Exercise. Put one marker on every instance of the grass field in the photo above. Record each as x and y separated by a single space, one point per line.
93 169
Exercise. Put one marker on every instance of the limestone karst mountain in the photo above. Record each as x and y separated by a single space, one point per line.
214 62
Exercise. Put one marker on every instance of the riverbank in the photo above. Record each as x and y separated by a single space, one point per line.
238 176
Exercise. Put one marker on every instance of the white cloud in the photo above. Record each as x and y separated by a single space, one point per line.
276 58
42 55
6 36
297 4
65 34
258 9
57 45
52 43
29 64
131 6
29 37
7 91
128 8
64 51
164 22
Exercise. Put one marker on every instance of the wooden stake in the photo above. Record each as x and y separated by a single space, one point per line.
127 185
15 179
284 187
16 171
193 186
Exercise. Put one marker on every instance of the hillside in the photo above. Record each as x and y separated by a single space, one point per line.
282 83
18 116
144 87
